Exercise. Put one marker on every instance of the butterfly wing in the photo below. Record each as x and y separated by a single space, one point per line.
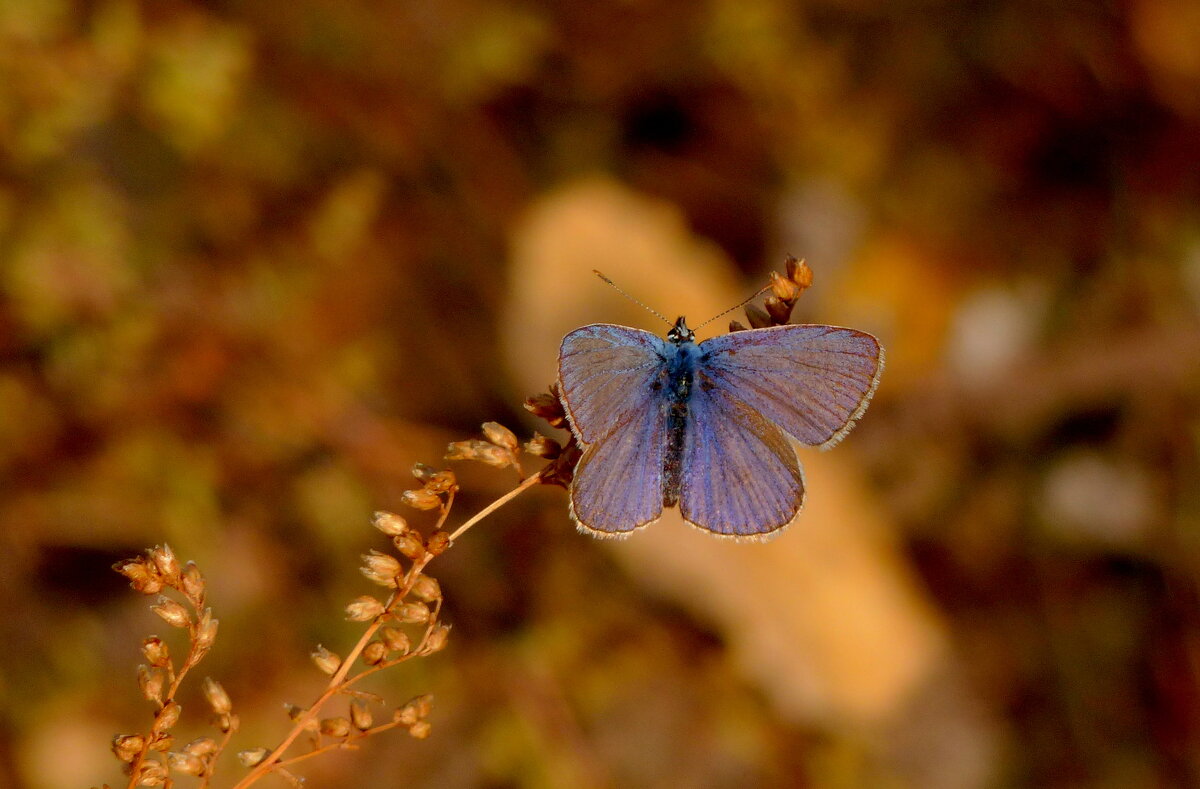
812 381
609 379
740 475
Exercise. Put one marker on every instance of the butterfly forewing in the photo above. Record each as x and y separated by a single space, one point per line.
740 477
609 381
812 381
605 371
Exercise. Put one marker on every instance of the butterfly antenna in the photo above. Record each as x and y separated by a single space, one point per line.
635 301
742 303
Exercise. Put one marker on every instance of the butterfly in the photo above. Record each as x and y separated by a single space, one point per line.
704 426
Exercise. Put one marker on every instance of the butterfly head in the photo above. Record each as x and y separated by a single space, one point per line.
680 333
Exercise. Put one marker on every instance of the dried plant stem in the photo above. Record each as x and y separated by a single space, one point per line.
529 482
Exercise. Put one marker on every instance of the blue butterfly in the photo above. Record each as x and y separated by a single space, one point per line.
701 426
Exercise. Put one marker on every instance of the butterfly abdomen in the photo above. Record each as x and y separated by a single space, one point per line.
680 373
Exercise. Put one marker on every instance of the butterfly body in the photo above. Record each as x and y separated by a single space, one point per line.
702 426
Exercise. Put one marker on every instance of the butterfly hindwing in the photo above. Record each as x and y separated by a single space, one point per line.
607 378
812 381
740 477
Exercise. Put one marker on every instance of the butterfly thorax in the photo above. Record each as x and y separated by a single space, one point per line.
682 356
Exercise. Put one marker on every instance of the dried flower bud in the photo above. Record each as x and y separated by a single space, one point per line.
472 449
216 696
206 633
161 742
360 715
758 318
414 613
420 730
410 545
171 612
784 288
142 574
736 326
164 559
374 653
192 583
501 436
335 727
155 650
421 499
436 641
226 723
390 523
363 609
327 661
798 272
168 716
416 709
423 472
442 482
126 747
543 447
438 542
381 568
152 773
201 746
395 639
779 311
186 763
252 756
151 681
547 406
294 712
426 588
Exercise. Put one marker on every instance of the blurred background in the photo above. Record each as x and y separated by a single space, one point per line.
257 259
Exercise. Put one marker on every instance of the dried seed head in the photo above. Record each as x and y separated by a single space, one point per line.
142 574
423 472
420 730
216 696
327 661
155 650
798 272
784 288
438 542
421 499
482 451
381 568
126 747
436 641
501 436
171 612
780 311
374 653
426 588
151 773
543 447
252 756
417 709
395 639
164 559
186 763
201 746
151 681
206 633
293 711
758 318
363 609
161 742
547 406
390 523
192 583
226 723
414 613
168 716
410 545
442 482
360 715
335 727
